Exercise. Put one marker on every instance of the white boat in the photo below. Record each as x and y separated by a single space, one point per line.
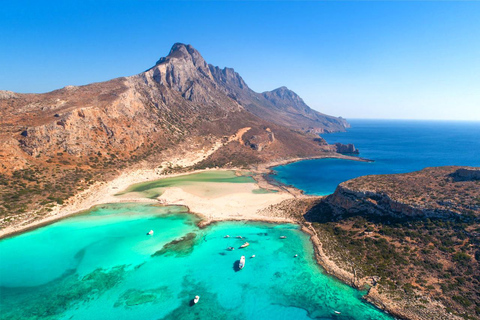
246 244
196 299
283 237
231 248
242 263
150 233
227 236
253 256
295 256
337 312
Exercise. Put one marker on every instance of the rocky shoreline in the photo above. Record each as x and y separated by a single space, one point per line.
420 226
391 305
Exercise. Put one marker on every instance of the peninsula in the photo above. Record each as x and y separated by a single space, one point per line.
412 239
59 150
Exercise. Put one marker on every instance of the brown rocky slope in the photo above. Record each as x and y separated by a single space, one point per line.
54 144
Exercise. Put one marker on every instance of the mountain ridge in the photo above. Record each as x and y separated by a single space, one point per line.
58 142
182 80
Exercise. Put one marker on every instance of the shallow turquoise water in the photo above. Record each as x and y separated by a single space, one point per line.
102 265
396 146
153 189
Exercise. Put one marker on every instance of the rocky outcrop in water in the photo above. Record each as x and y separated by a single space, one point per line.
346 148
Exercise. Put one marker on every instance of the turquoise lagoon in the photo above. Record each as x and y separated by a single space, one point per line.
202 184
396 146
102 265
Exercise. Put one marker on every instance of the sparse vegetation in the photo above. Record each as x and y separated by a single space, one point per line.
409 256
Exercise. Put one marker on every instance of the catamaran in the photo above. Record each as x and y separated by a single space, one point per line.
242 263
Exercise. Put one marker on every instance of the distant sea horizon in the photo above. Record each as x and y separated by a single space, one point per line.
395 146
399 119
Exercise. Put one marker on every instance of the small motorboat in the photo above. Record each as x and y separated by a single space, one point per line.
227 236
231 248
337 312
246 244
283 237
239 237
196 299
150 233
253 256
295 256
242 263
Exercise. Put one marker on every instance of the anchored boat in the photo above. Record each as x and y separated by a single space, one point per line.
246 244
150 233
242 263
196 299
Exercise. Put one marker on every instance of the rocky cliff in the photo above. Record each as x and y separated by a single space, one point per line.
444 192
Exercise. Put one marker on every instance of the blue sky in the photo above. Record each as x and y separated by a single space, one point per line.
400 60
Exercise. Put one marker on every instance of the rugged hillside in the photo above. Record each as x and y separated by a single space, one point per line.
54 144
415 237
281 106
180 96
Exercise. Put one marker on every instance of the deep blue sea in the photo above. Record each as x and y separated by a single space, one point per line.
396 146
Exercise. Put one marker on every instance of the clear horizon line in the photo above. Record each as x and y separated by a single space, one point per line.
412 119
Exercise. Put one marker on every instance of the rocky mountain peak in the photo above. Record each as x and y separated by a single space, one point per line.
284 93
228 77
183 70
284 97
184 52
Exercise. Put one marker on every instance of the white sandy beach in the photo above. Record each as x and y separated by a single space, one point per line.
239 203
